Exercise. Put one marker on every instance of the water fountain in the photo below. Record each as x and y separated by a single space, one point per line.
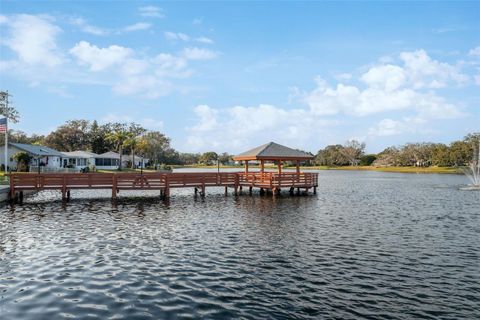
473 170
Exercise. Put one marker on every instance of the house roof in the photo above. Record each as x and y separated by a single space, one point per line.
108 155
37 150
79 154
273 151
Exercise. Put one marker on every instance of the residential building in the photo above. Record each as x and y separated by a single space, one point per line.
41 155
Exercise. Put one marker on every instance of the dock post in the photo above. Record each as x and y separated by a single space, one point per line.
12 188
114 186
21 197
250 190
262 191
226 190
68 194
236 184
196 190
292 191
314 190
64 188
167 188
202 194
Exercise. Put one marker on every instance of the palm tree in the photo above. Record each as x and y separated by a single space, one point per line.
118 137
134 133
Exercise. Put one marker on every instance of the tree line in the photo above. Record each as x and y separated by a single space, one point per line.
123 138
425 154
135 140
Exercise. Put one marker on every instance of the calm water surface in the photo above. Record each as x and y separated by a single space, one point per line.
368 245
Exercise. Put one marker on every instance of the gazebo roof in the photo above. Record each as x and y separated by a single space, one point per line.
273 151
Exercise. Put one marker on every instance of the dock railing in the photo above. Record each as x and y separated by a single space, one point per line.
157 181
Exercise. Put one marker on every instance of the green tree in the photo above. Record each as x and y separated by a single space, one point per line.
441 155
18 136
189 158
368 159
332 155
22 159
74 135
208 158
352 151
460 153
224 158
97 138
6 109
134 132
388 157
155 146
118 136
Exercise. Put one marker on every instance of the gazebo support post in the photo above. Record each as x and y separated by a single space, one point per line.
298 166
280 166
246 166
262 166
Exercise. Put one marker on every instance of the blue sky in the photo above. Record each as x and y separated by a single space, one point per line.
227 76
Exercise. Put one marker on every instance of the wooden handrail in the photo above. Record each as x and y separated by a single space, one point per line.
157 180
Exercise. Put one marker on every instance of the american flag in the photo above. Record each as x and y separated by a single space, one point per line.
3 125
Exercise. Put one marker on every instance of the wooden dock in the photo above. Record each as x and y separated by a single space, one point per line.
162 182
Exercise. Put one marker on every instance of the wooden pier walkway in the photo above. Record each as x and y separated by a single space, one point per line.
163 182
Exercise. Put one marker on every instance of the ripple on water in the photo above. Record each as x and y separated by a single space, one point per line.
369 245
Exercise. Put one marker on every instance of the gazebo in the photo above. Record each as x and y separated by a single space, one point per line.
274 181
273 152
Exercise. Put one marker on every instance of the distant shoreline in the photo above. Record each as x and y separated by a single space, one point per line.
441 170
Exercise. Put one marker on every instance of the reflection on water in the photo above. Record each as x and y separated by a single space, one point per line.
368 245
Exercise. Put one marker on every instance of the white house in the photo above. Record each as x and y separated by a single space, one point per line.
139 160
107 161
78 159
110 161
55 160
41 155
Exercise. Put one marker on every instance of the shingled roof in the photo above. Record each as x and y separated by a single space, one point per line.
273 151
36 150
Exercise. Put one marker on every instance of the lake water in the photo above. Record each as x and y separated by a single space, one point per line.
368 245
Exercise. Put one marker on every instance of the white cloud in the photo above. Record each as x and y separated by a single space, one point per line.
237 128
87 28
343 76
207 118
199 54
424 72
179 36
388 127
99 58
168 65
474 52
151 11
390 87
33 39
173 36
387 77
204 40
353 101
138 26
